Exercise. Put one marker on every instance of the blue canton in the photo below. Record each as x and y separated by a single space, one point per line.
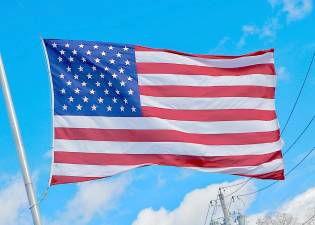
93 78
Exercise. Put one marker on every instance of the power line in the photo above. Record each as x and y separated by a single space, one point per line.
288 149
233 185
299 94
243 185
287 174
209 210
299 136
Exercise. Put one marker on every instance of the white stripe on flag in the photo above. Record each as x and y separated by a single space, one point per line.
175 148
206 81
264 168
150 123
208 103
64 169
166 57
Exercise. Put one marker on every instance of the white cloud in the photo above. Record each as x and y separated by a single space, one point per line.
193 208
221 44
294 9
298 9
14 207
302 206
92 199
283 73
267 32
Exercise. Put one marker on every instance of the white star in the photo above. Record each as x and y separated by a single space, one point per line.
100 100
102 75
54 45
76 77
133 109
122 83
118 55
125 48
92 92
77 91
59 59
93 68
129 78
67 45
62 52
63 91
110 84
114 100
112 61
130 92
97 60
109 108
127 62
85 99
64 107
89 76
110 47
69 82
74 52
106 68
79 107
83 59
103 53
83 84
106 92
93 107
98 84
95 46
121 70
71 99
81 45
70 59
88 52
122 108
117 92
68 69
114 75
61 76
125 101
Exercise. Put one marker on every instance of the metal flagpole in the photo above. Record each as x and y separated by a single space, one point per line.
19 145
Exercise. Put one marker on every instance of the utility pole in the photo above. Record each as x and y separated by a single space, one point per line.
224 209
240 219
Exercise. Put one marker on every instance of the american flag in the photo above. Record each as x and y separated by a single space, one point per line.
118 106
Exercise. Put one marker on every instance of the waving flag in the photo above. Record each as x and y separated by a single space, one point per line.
118 107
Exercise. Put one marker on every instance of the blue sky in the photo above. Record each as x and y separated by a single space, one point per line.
208 27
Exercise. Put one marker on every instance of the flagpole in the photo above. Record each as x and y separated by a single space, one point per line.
19 145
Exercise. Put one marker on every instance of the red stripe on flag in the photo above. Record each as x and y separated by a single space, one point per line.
209 115
56 179
169 68
163 159
275 175
141 48
165 136
208 92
